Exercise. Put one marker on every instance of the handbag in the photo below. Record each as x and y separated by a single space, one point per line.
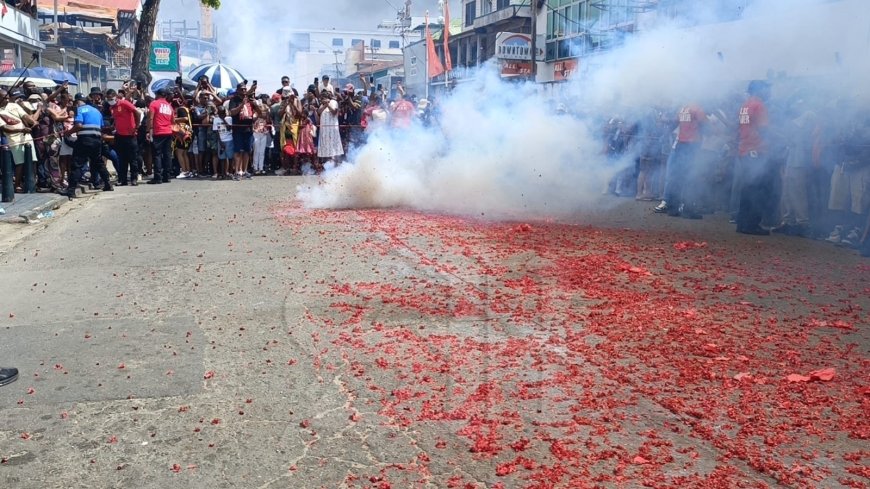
182 131
289 149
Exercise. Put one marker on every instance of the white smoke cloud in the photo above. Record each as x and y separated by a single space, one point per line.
502 150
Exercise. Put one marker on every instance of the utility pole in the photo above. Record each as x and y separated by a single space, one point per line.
534 43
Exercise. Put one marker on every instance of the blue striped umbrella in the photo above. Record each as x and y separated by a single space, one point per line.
220 76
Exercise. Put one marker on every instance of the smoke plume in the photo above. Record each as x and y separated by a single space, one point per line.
502 149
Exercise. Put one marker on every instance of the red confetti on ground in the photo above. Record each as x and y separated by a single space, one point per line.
208 374
606 358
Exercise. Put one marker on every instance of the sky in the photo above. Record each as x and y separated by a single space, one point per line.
351 14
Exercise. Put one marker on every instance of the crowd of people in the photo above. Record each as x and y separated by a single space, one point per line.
234 134
794 165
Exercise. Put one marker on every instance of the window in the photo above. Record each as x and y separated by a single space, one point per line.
356 42
500 4
337 42
413 60
394 45
470 13
376 43
486 7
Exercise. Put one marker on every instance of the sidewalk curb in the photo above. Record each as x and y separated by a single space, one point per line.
32 215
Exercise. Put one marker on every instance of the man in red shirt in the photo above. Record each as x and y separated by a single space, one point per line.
127 121
755 178
161 117
682 177
403 110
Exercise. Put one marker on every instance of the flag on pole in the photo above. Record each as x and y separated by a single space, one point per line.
435 66
448 63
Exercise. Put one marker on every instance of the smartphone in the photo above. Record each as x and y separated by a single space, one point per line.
255 82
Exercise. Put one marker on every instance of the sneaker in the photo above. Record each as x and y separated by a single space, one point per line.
236 177
835 236
181 175
8 375
854 235
247 176
661 208
280 172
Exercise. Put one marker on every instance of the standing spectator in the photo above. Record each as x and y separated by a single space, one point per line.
183 137
145 147
329 144
127 120
261 129
326 85
198 116
404 110
683 176
801 129
88 148
285 86
850 184
242 112
221 126
16 125
756 177
160 120
350 118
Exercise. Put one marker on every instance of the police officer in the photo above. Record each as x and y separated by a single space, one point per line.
88 147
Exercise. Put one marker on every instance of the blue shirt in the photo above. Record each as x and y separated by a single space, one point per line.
91 119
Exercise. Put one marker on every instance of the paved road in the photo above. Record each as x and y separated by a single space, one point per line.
215 334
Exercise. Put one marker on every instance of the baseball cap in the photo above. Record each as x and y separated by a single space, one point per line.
96 91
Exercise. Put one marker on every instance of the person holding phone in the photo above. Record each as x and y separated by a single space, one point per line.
326 85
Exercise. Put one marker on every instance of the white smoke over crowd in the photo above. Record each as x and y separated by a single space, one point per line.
501 148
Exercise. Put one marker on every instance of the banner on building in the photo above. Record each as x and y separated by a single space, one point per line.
516 68
563 70
164 56
516 46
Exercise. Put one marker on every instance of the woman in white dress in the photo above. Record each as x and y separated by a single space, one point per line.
329 144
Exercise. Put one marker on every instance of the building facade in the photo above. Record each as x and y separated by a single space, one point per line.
19 36
314 53
484 24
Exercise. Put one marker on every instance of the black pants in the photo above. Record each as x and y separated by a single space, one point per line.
162 155
755 195
128 156
88 149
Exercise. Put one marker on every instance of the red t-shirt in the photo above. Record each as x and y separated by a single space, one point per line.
163 117
691 117
403 113
124 114
752 118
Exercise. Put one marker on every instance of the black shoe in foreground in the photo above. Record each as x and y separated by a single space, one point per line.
8 375
153 182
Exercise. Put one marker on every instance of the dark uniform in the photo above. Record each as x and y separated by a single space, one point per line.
89 147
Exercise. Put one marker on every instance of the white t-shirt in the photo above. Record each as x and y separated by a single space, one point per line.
223 129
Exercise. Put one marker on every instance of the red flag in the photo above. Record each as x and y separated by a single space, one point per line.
448 63
435 66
